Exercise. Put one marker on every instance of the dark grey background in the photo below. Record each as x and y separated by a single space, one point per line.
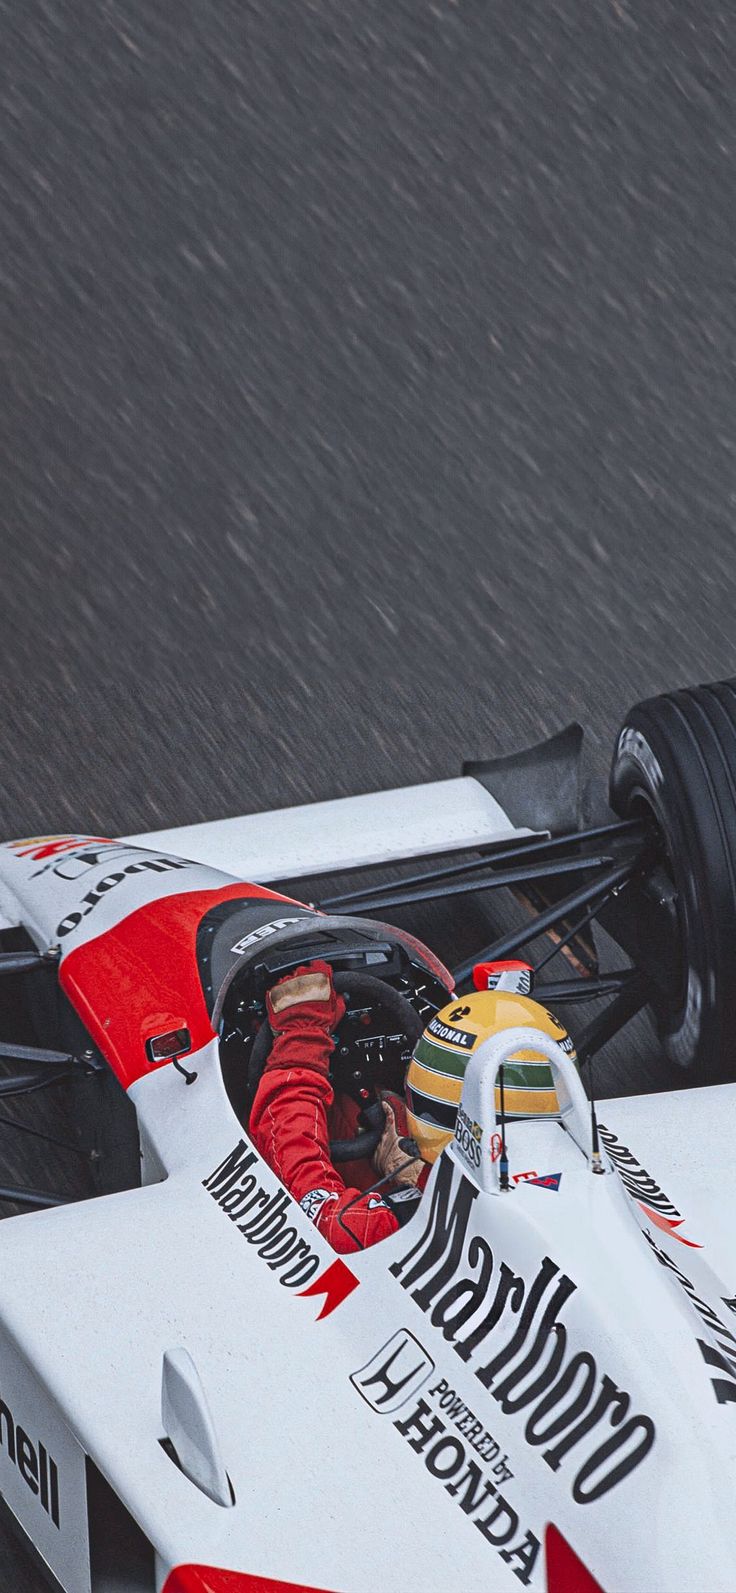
368 392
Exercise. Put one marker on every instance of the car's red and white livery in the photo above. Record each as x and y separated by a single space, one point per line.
525 1389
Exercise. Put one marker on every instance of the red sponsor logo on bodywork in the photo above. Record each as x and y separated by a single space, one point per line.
565 1570
39 847
542 1180
669 1225
335 1284
207 1579
655 1204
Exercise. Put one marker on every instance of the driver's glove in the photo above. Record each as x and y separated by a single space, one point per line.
393 1154
304 1008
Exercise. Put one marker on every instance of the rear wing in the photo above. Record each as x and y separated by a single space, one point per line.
486 806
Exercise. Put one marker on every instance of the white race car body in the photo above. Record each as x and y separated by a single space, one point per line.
266 1415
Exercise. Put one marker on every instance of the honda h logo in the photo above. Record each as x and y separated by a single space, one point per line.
394 1374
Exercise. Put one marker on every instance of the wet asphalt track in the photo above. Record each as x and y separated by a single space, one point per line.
368 394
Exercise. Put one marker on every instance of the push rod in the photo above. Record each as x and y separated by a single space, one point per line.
15 962
549 846
563 942
29 1083
32 1197
628 1002
583 989
36 1055
490 882
601 887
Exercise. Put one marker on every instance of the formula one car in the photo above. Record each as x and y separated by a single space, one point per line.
530 1383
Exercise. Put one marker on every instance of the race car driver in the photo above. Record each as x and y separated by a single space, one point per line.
295 1114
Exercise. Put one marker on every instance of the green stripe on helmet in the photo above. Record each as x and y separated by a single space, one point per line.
525 1075
440 1058
528 1075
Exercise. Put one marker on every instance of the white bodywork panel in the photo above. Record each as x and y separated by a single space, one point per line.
560 1352
349 832
686 1139
329 1426
42 1470
86 889
10 915
313 1461
54 885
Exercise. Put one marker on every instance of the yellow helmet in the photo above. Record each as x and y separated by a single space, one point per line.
434 1080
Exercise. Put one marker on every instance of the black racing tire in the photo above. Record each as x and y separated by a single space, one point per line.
675 758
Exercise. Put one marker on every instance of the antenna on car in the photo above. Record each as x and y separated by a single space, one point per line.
596 1160
503 1166
374 1188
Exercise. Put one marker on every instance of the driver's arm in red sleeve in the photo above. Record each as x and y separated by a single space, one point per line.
288 1123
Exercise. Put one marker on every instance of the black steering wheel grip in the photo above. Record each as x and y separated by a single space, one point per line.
375 992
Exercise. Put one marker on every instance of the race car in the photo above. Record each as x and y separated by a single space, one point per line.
531 1382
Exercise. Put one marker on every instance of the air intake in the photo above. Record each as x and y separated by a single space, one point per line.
191 1440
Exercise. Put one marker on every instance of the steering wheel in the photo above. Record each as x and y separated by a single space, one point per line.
373 992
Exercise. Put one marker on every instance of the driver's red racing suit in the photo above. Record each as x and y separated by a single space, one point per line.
294 1116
